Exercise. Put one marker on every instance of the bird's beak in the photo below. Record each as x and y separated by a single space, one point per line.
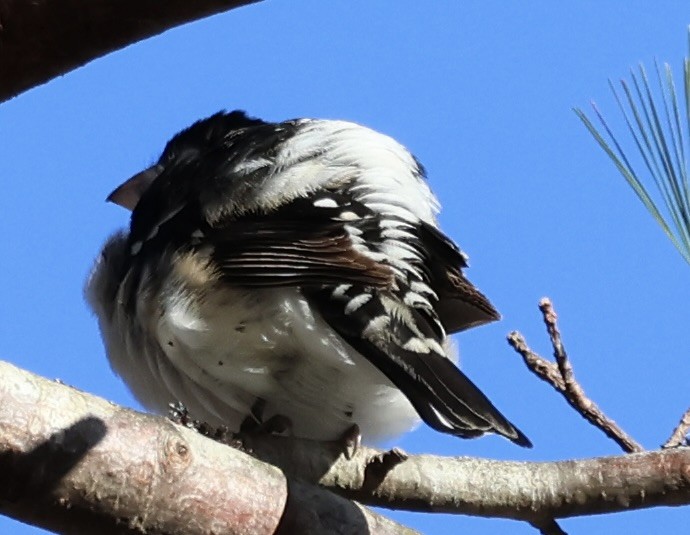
128 193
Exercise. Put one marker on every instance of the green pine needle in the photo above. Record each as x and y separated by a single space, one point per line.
659 130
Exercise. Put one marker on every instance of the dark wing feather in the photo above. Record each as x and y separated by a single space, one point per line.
301 243
461 305
442 395
275 252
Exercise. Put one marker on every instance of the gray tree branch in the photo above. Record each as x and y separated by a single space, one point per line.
75 463
561 376
74 459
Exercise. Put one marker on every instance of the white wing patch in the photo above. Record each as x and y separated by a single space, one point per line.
357 302
325 202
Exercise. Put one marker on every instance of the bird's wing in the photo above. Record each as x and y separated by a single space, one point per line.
311 241
402 340
334 248
461 305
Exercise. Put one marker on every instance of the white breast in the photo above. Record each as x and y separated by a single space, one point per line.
269 344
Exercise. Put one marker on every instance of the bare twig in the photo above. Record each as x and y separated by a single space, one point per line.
542 368
562 378
679 435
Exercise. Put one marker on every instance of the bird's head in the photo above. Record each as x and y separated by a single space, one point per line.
188 144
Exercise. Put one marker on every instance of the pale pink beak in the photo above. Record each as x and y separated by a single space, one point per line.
128 193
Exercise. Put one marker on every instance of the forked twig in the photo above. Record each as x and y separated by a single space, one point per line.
562 378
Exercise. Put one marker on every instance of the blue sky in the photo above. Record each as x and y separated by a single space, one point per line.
482 93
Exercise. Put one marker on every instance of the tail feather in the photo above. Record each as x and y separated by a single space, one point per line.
456 406
442 395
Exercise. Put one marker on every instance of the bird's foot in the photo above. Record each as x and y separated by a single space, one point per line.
379 466
179 414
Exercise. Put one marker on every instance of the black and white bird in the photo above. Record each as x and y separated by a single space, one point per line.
291 269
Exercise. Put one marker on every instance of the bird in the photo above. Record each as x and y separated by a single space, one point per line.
291 269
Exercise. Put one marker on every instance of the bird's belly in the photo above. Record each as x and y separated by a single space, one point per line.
271 345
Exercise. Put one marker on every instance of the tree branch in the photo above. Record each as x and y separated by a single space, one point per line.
74 463
75 459
42 39
562 378
531 491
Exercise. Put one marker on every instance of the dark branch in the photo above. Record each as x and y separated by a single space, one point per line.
549 527
43 39
562 377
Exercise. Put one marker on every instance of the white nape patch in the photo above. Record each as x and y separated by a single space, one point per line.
197 233
326 202
136 247
391 209
356 302
324 154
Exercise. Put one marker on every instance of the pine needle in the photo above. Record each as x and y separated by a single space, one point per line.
659 129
